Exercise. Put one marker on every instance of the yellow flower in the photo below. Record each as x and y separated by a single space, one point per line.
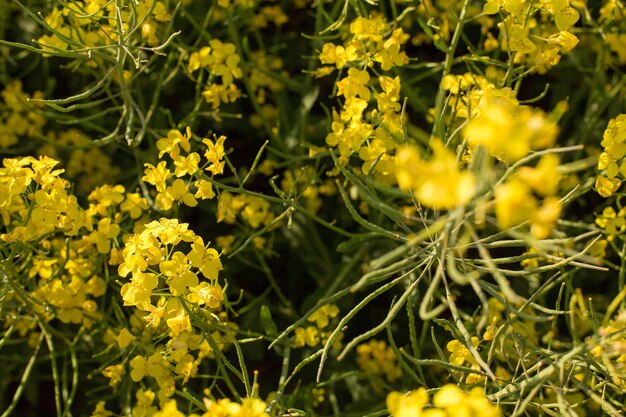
515 204
322 314
100 411
177 270
114 373
519 41
169 410
565 16
215 155
138 292
177 192
125 338
144 407
544 218
376 358
565 40
205 259
437 183
134 204
407 405
607 186
157 176
210 295
106 230
154 366
186 165
204 189
354 85
308 336
459 354
338 55
545 177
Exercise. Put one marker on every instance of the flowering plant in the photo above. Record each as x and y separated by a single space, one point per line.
253 208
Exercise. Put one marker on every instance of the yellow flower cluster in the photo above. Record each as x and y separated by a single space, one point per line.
63 280
437 183
269 14
613 19
265 79
507 129
516 202
248 407
91 24
170 186
461 355
526 32
613 223
149 257
370 40
178 360
313 336
373 137
165 260
612 159
254 210
376 358
220 59
18 119
449 401
35 201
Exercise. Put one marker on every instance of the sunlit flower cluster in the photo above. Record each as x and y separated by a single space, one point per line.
449 401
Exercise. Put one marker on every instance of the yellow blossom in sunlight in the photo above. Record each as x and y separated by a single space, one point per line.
545 217
448 401
134 204
125 338
157 175
438 183
205 259
169 410
178 273
144 407
249 407
177 192
459 354
407 405
154 366
514 204
204 190
138 292
519 41
545 177
205 294
101 411
457 402
376 358
322 315
607 186
215 155
509 131
565 16
306 336
114 373
565 40
614 223
337 55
